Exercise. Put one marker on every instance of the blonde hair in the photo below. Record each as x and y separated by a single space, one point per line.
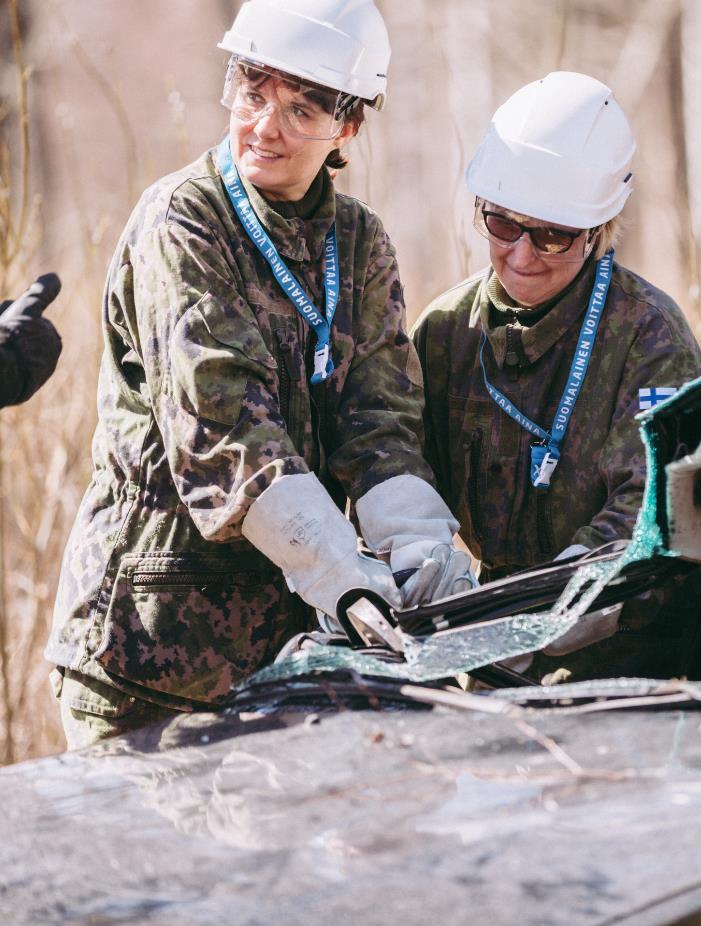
608 235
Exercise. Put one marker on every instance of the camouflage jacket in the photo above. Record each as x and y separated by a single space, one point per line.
204 399
481 456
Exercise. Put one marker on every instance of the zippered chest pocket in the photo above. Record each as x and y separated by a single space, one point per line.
290 364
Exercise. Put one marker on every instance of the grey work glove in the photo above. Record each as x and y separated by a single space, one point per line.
295 523
445 571
406 518
591 627
29 344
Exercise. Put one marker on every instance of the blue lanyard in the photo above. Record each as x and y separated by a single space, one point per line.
544 457
323 364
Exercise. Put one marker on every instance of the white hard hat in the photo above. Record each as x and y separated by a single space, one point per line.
560 150
342 44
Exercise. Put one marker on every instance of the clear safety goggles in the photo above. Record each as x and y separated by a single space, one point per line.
549 241
252 91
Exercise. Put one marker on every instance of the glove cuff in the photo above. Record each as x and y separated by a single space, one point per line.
401 511
295 523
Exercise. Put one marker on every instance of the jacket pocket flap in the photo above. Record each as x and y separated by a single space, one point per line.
233 326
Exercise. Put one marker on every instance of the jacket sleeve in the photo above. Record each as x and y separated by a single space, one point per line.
664 353
212 380
378 422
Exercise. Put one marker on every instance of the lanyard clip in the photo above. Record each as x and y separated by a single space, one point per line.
323 365
543 463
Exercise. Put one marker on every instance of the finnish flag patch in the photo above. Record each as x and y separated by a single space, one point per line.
653 395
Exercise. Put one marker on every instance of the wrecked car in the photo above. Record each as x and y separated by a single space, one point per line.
356 781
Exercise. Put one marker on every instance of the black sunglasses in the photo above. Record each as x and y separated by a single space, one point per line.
544 237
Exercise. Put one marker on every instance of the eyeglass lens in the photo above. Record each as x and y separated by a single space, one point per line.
304 110
544 237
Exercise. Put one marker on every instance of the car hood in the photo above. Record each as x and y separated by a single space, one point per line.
346 800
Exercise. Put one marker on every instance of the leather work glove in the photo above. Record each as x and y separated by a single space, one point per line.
591 627
295 523
29 344
406 518
445 571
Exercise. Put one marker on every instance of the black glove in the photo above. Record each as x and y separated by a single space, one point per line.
29 344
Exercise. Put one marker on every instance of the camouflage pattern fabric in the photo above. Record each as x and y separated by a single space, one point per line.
92 711
204 399
481 456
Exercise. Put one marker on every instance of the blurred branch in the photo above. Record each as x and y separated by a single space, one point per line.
687 113
646 42
23 108
12 234
564 19
114 101
458 238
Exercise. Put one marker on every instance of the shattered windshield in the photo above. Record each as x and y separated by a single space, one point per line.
467 648
462 649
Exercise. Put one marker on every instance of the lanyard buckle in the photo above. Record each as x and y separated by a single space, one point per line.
322 364
543 463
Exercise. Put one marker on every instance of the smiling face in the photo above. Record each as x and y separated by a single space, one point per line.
267 150
528 278
527 274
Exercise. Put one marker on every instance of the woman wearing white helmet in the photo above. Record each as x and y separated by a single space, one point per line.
551 352
256 360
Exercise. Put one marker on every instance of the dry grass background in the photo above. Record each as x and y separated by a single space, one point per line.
99 99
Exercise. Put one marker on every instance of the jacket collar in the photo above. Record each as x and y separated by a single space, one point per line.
566 311
296 238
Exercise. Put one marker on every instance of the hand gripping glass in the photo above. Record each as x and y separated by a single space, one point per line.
304 110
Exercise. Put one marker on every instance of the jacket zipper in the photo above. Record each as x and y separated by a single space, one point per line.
545 537
473 483
511 355
287 371
152 579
